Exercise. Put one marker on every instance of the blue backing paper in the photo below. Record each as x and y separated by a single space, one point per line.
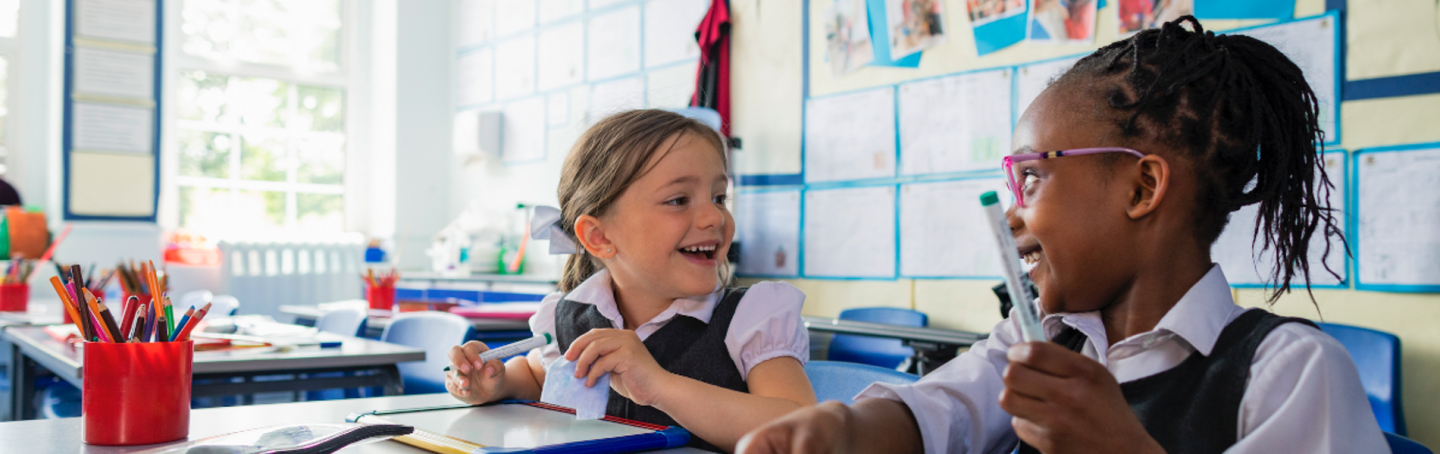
1244 9
880 38
1000 34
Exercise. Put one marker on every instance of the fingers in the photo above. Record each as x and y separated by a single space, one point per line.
1052 359
473 349
581 343
597 347
811 430
1023 379
602 366
466 358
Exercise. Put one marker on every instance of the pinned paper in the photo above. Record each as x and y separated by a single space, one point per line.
563 389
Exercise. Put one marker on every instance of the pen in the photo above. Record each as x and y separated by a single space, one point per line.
1030 329
515 348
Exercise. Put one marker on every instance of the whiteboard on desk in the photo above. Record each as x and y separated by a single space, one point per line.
1245 263
849 232
850 136
1313 44
1032 79
1397 233
955 123
613 47
768 233
943 229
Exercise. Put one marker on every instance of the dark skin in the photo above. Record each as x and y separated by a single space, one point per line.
1115 234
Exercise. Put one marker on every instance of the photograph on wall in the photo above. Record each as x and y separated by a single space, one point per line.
996 24
915 25
1062 21
847 36
986 11
1136 15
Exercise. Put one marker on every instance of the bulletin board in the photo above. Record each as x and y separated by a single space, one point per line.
549 64
111 119
883 129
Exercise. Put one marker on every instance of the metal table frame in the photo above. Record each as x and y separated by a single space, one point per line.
933 347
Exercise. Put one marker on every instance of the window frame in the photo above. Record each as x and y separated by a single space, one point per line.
178 62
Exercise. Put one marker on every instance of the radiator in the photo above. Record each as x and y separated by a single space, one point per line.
266 275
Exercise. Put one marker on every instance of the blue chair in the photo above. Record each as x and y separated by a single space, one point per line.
875 351
345 322
1377 356
1402 445
834 380
57 399
434 332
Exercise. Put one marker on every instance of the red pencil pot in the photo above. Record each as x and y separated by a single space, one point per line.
380 297
136 393
14 297
143 298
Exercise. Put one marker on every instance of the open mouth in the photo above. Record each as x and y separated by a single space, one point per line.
700 252
1031 256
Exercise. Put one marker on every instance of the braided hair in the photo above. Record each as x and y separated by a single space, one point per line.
1242 114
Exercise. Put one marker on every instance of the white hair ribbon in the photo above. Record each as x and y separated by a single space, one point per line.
545 225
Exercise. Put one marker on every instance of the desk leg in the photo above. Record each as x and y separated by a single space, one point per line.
22 385
394 386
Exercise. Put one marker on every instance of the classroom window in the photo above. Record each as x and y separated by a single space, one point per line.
260 117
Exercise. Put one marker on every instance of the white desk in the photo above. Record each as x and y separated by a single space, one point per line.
64 436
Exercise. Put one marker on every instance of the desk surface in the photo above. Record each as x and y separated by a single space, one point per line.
66 361
64 435
939 336
313 312
478 278
39 311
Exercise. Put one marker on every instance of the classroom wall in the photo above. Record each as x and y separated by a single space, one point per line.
1385 38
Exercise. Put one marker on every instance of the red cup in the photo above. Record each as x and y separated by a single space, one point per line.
14 297
142 297
380 297
136 393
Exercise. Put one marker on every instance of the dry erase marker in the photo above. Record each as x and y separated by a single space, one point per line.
514 349
1010 260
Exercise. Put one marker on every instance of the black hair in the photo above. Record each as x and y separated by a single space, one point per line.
1243 116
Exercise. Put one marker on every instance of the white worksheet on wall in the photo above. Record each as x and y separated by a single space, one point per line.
476 22
523 123
670 30
1246 265
125 20
514 16
1031 80
111 128
613 44
956 123
943 230
562 60
554 10
1310 43
1398 209
515 67
106 72
475 73
670 88
850 136
614 96
768 232
850 232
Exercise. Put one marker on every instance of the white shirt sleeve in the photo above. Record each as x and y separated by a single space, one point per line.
958 405
1305 395
544 322
767 325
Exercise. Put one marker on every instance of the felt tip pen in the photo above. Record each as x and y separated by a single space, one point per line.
514 349
1024 302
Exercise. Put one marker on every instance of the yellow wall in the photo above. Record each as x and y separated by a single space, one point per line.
1386 38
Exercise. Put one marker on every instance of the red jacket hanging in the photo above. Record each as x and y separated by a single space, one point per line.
712 79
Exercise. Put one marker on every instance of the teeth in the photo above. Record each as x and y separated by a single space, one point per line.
1031 258
699 248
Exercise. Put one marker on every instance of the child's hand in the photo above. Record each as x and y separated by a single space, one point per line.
634 373
470 380
818 429
1064 402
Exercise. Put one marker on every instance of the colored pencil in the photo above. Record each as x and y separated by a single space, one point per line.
127 320
98 312
181 324
67 302
149 323
138 328
87 331
199 315
109 318
162 329
169 315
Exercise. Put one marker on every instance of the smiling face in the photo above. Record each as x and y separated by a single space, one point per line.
670 228
1074 228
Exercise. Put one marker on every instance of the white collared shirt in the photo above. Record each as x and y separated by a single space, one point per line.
1303 394
766 324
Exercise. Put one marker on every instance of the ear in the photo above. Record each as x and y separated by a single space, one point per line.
1152 182
591 234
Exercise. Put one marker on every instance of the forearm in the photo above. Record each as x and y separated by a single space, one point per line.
882 425
720 416
520 381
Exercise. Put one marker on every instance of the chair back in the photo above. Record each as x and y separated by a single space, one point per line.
349 321
1402 445
1377 356
875 351
834 380
222 306
434 332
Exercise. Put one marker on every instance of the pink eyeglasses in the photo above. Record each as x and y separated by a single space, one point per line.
1010 161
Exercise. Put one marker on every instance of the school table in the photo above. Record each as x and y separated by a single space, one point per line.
933 347
485 328
364 363
488 279
64 436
